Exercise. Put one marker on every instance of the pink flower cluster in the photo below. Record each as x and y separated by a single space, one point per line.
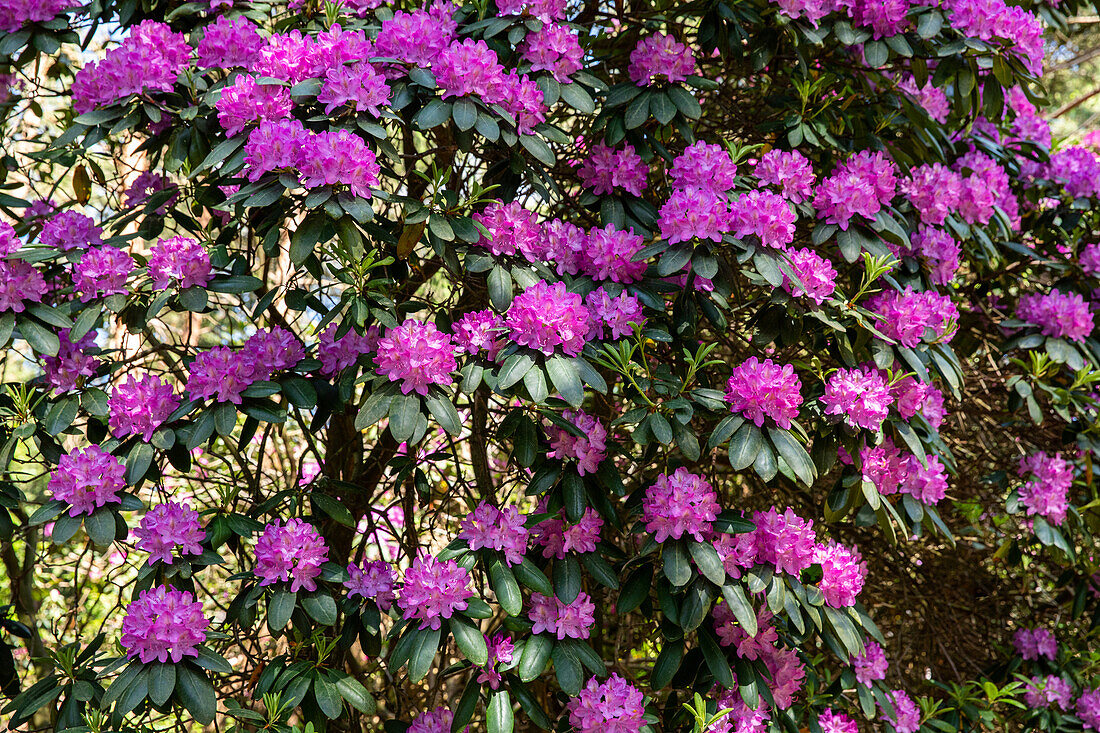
147 185
564 620
496 529
790 171
930 98
844 573
614 706
833 722
704 165
759 389
660 57
1032 644
907 716
926 485
69 229
470 67
72 363
683 503
417 355
1058 314
179 259
168 527
502 650
1077 169
765 215
433 721
417 38
548 317
14 13
816 275
221 373
544 10
480 331
554 48
229 43
290 552
858 396
934 190
985 186
606 169
614 316
1049 691
372 580
558 540
785 540
149 59
588 449
871 665
102 272
359 84
993 19
1088 708
783 665
859 186
87 479
694 213
1089 259
911 316
337 354
434 590
20 282
139 406
1046 492
162 625
940 252
329 158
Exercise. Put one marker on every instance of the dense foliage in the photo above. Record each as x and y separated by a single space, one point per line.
707 365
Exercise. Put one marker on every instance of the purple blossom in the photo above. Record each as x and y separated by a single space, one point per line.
606 169
1088 708
908 315
246 101
274 145
906 717
785 540
162 625
833 722
229 43
337 354
817 275
149 59
765 215
558 540
884 466
271 351
338 157
926 485
940 252
703 165
844 573
588 449
433 721
102 271
290 552
617 315
496 529
360 84
480 331
148 184
737 552
614 706
417 355
1061 315
87 480
434 590
372 580
860 186
858 396
683 503
501 650
1046 492
69 229
1032 644
565 620
611 255
512 229
416 38
221 373
555 48
694 213
181 259
871 665
20 282
14 13
1077 169
660 57
1049 691
168 527
547 317
934 190
790 171
139 406
72 365
759 389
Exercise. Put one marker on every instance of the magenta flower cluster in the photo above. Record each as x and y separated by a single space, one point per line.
606 169
1046 492
73 364
906 716
859 397
290 552
547 318
572 620
587 449
1057 314
417 355
69 229
559 539
167 528
1033 644
496 529
140 405
163 625
683 503
87 480
763 389
859 186
372 581
149 59
434 590
101 272
181 260
613 706
660 57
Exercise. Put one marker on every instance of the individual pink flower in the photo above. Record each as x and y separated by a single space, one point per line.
926 485
785 540
163 625
102 272
588 449
169 527
1049 691
1046 493
660 57
496 529
683 503
614 706
139 406
501 650
87 480
372 580
759 389
417 355
434 590
858 396
179 259
548 317
871 665
290 552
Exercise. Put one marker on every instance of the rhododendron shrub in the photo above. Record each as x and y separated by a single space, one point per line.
533 364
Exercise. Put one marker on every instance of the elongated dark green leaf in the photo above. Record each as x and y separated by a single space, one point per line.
668 661
500 718
470 640
280 607
742 610
677 564
794 454
506 587
195 693
162 682
424 649
327 696
707 560
745 445
568 669
566 376
536 655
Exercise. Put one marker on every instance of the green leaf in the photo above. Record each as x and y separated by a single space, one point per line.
685 102
667 663
464 113
327 696
635 589
745 445
568 669
538 149
435 113
506 587
280 607
501 719
333 508
100 526
576 97
533 578
464 711
237 283
321 607
60 415
566 376
162 682
567 578
213 662
357 696
740 606
444 412
514 369
404 412
677 564
500 288
64 528
138 462
707 560
470 640
423 654
716 659
195 694
794 454
41 339
535 657
599 569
